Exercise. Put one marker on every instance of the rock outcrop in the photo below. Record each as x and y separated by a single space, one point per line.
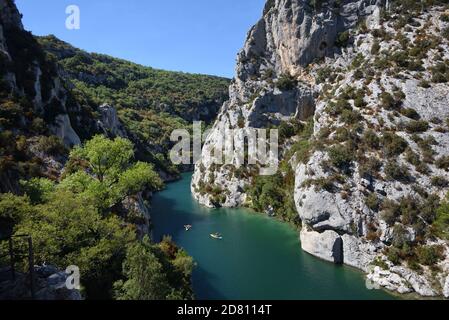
49 284
110 123
289 36
378 100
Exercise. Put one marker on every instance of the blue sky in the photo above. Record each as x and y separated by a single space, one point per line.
199 36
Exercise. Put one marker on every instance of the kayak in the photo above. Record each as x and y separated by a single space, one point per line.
216 236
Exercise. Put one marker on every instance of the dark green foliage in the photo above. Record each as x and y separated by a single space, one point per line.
370 167
25 51
155 272
440 72
419 126
443 163
430 255
390 212
371 140
390 102
12 210
325 73
316 4
241 121
286 130
275 192
410 113
426 148
372 202
303 147
440 182
51 145
286 82
395 171
76 221
441 224
337 108
350 117
375 47
329 184
103 79
445 33
342 39
414 159
341 157
393 145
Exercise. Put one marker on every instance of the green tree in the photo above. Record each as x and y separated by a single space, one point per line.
441 223
68 230
155 272
110 176
12 210
146 279
106 158
38 189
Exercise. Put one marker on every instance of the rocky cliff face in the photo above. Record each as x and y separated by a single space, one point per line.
291 35
373 81
31 75
37 104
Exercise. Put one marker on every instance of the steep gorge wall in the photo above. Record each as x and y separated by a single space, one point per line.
297 43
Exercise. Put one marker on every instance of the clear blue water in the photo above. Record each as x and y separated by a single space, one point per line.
259 257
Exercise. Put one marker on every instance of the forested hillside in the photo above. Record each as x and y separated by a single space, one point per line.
77 175
150 103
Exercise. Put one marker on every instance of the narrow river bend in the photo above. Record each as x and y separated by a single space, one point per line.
258 258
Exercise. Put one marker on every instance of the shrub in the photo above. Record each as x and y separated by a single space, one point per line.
397 172
440 225
393 144
424 83
323 74
350 116
393 254
241 122
412 157
429 255
51 145
375 47
443 163
445 33
440 72
342 39
440 182
419 126
286 131
390 211
426 147
372 202
410 113
341 157
370 139
359 102
387 101
370 167
286 82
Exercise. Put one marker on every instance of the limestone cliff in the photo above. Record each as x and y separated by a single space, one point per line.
373 79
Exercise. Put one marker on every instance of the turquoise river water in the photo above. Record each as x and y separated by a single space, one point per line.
258 258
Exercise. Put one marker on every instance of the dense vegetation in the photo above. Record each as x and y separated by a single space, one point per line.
150 102
274 194
78 222
104 79
78 215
